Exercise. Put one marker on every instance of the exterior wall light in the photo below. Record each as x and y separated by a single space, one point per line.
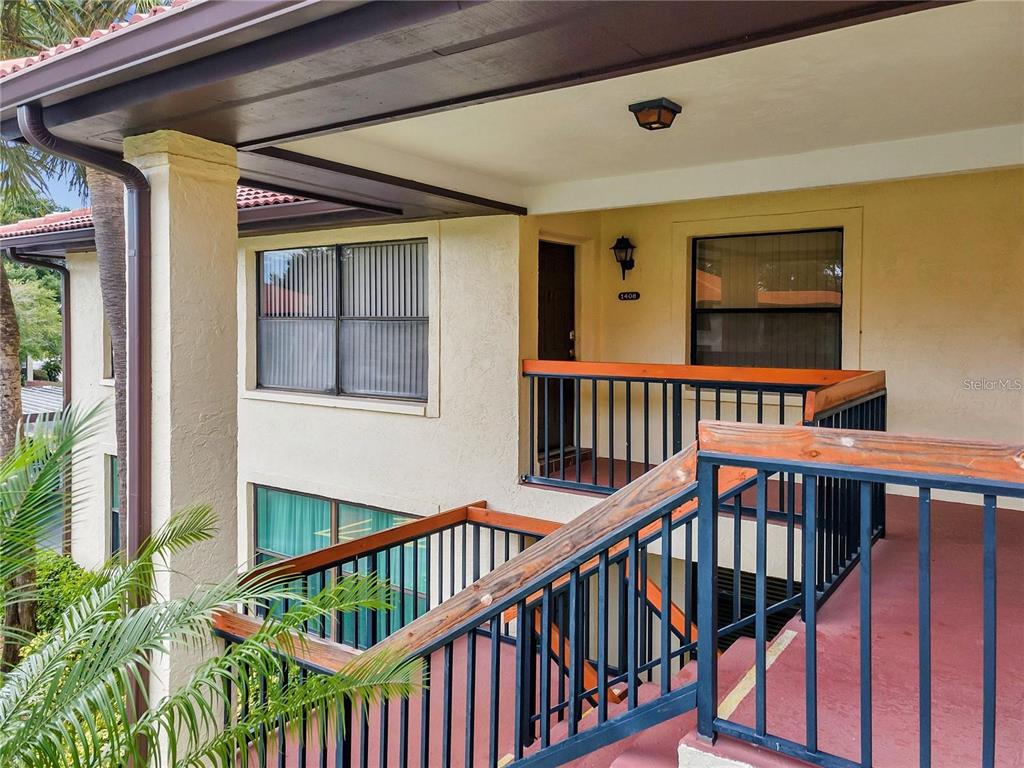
623 250
655 114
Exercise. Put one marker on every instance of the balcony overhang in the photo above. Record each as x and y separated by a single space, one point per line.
256 75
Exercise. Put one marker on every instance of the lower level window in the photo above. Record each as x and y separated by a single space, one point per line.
289 524
114 503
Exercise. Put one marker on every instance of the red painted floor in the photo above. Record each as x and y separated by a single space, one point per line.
615 473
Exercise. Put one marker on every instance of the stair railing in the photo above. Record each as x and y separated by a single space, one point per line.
864 461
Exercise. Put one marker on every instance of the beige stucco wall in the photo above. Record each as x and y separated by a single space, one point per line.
90 523
934 291
462 446
934 287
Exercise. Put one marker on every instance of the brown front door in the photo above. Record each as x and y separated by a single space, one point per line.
556 340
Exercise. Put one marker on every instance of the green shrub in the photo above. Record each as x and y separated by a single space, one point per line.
60 582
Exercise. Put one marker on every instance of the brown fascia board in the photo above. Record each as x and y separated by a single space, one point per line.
183 34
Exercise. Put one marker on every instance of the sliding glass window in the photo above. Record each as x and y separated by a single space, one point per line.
344 320
772 300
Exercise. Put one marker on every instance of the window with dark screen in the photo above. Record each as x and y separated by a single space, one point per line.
768 300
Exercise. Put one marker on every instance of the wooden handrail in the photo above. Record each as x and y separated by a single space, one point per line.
516 523
795 377
322 654
878 451
311 562
472 603
829 398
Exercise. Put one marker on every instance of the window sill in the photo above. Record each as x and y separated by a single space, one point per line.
107 382
405 408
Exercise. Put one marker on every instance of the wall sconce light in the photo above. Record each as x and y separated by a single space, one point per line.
655 114
623 250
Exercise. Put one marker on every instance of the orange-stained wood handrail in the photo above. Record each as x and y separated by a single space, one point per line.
305 648
517 523
878 451
795 377
328 557
469 607
829 398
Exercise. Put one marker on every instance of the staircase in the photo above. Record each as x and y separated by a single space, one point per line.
578 644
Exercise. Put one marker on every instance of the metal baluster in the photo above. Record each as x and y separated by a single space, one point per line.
495 713
631 622
602 636
470 695
760 602
545 666
666 603
664 421
384 733
574 660
425 717
593 431
446 709
865 624
547 440
647 426
576 424
532 421
810 610
688 594
737 556
403 733
611 433
629 431
561 428
364 736
521 708
790 531
988 729
707 584
924 620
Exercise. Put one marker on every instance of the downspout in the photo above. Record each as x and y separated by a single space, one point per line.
137 253
37 260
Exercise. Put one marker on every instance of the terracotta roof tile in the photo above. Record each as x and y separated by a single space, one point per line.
81 218
11 66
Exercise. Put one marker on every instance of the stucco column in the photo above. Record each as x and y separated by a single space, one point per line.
194 350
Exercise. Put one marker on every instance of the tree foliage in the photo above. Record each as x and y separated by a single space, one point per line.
38 319
67 703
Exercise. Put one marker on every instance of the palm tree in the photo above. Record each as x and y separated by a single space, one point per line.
67 703
26 27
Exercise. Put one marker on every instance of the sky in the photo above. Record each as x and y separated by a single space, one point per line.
58 191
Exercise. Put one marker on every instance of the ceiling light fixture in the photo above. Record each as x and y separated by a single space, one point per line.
656 113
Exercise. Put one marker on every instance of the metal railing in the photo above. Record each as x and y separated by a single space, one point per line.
598 426
864 462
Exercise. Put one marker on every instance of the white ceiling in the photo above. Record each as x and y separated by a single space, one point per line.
945 70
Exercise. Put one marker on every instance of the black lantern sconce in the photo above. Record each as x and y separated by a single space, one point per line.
655 114
623 250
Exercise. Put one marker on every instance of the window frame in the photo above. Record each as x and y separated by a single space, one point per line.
113 482
694 310
338 318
